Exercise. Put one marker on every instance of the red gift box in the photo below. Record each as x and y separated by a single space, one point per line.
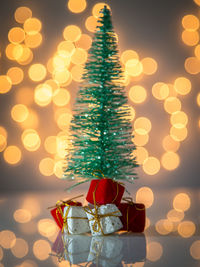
57 212
133 216
105 191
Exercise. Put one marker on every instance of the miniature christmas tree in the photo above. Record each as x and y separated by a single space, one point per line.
101 131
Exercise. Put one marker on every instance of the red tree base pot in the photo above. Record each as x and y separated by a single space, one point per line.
105 191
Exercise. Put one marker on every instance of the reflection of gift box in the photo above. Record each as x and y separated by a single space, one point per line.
57 212
77 248
75 220
105 191
104 219
134 247
58 246
105 247
133 216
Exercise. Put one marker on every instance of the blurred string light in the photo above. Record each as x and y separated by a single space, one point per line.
41 249
195 250
20 249
66 66
154 251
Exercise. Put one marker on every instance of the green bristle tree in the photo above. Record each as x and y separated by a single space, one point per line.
101 131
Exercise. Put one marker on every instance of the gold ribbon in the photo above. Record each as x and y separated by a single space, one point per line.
65 223
129 200
96 227
59 204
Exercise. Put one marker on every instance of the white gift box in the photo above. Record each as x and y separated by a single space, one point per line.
77 248
105 247
104 219
75 220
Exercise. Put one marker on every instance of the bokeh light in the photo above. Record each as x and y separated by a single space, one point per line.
140 139
182 85
145 195
170 160
61 97
84 42
190 22
190 38
175 215
12 155
22 216
77 6
164 226
181 202
19 113
3 132
142 125
37 72
47 227
20 249
66 46
50 144
72 33
154 251
151 165
91 23
25 56
58 168
16 75
3 142
46 166
32 26
192 65
5 84
179 119
133 67
186 229
149 65
160 90
178 134
97 7
137 94
41 249
141 154
77 72
79 56
7 239
43 94
169 144
172 104
195 250
127 55
33 40
22 14
16 35
31 139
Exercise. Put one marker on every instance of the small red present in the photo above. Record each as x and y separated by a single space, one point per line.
105 191
57 212
133 216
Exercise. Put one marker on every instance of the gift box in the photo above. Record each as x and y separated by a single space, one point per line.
77 248
104 219
57 212
133 216
134 247
105 247
75 220
105 191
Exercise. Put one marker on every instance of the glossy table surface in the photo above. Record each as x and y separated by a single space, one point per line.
30 238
